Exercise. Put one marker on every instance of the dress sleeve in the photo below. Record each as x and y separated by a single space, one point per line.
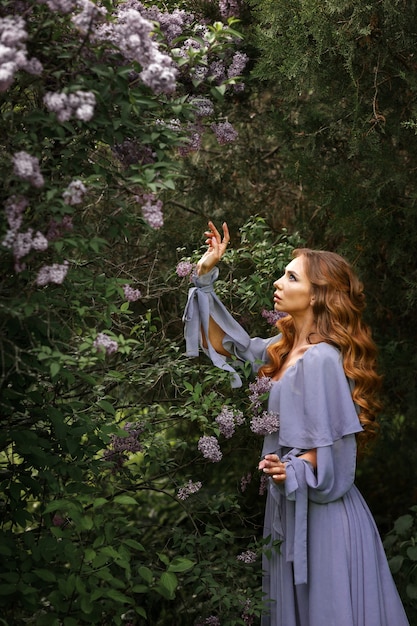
334 476
202 304
315 401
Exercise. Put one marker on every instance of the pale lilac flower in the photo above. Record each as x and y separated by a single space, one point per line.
131 294
13 53
52 274
61 6
210 449
227 421
39 242
27 168
74 193
188 489
247 615
33 66
272 317
224 131
160 75
105 343
247 557
79 104
238 64
265 424
24 242
212 620
14 208
217 71
185 268
152 211
90 14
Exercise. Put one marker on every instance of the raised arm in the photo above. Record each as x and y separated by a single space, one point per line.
216 248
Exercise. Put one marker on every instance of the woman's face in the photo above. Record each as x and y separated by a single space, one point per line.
293 292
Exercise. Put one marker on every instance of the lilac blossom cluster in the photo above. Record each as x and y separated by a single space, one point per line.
172 24
121 446
227 420
249 556
188 489
203 107
245 481
57 229
272 317
262 422
132 34
265 424
185 268
193 143
247 616
263 484
130 152
210 449
79 104
26 167
59 6
152 210
104 343
54 273
88 17
224 132
75 192
13 53
131 294
229 8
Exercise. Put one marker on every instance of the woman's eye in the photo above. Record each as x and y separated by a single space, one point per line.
291 276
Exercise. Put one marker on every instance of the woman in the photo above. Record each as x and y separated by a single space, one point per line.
330 569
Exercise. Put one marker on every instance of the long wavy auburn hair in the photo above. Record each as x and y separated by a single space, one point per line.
337 308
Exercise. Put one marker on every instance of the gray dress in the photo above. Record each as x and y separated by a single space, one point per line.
331 568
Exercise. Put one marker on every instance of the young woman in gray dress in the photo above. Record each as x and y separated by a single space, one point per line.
331 569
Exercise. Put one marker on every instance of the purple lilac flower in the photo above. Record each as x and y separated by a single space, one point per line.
25 242
74 193
224 131
203 107
160 75
212 620
238 64
57 229
14 208
272 317
194 140
52 274
121 446
152 211
185 268
247 557
13 53
265 424
258 390
245 481
104 343
79 104
227 420
130 152
229 8
263 484
27 168
90 14
247 614
210 449
217 71
131 294
188 489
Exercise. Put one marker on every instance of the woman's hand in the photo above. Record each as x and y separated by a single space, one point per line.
216 248
273 467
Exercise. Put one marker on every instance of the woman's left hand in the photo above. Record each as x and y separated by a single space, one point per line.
273 467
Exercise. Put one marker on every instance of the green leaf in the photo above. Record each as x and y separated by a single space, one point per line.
117 596
180 564
145 573
124 499
106 406
167 585
412 553
45 574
